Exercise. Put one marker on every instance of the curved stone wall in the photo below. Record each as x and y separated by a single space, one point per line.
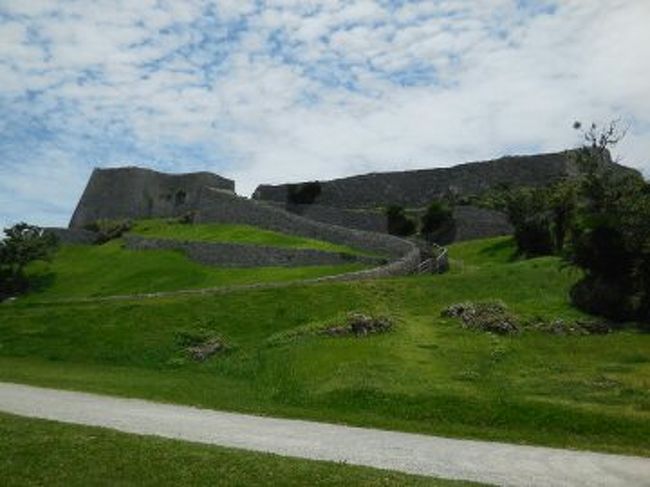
238 255
367 220
221 207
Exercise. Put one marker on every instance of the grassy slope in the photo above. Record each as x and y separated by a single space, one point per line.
241 234
428 375
36 452
102 270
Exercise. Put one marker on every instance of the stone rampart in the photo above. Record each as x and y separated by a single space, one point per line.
221 207
418 188
470 222
473 223
72 236
132 192
238 255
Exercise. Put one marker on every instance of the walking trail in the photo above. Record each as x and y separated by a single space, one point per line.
481 461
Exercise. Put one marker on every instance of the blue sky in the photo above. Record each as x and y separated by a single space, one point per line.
286 90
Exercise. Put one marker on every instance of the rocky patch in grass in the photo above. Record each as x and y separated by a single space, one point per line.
567 328
200 345
359 325
489 316
494 317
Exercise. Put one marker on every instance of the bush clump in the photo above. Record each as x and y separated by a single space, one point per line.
437 221
22 244
303 194
187 218
398 222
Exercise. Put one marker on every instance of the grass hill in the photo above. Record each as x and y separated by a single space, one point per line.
231 233
81 271
428 375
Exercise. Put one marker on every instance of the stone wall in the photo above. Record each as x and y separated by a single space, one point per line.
220 207
470 222
418 188
473 223
72 236
237 255
407 264
362 219
132 192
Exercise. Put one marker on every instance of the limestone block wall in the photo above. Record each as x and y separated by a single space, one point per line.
221 207
73 236
417 188
362 219
237 255
131 192
473 223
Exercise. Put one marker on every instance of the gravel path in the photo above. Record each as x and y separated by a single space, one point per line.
492 463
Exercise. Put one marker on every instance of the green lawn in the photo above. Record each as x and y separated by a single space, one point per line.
231 233
428 375
109 269
36 452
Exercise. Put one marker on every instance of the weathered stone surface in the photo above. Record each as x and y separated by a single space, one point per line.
470 222
473 223
418 188
132 192
73 236
361 219
220 207
237 255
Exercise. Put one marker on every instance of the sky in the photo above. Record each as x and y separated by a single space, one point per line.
285 90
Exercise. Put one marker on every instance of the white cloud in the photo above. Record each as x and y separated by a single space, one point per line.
347 87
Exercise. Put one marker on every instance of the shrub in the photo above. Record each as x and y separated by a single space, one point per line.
22 244
533 236
437 220
398 222
187 218
611 238
304 193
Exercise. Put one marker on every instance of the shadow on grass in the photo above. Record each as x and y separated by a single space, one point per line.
40 282
502 249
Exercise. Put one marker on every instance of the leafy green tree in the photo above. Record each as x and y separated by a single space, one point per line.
611 235
528 212
398 222
437 221
21 245
563 204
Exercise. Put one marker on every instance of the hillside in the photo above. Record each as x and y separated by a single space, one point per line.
428 374
81 271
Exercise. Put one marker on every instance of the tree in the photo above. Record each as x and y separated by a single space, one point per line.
563 203
398 222
436 221
303 193
528 212
611 235
21 245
